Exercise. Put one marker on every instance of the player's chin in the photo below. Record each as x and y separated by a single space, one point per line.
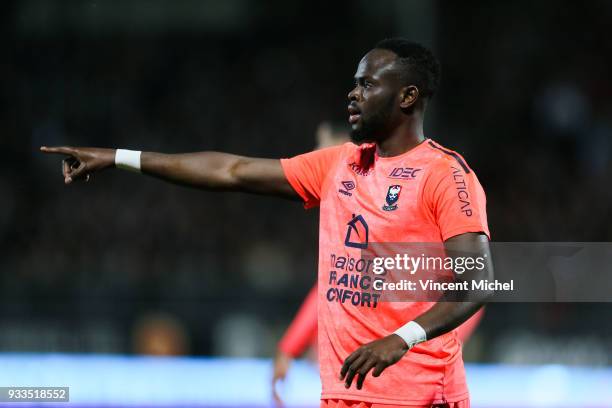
359 137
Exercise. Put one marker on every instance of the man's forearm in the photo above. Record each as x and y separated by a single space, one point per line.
207 170
219 171
455 307
446 316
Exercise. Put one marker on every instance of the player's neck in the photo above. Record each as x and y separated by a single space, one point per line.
405 137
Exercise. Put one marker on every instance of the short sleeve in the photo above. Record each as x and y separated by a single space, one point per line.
306 173
456 198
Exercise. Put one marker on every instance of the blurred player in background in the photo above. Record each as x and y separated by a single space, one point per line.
160 334
369 192
302 332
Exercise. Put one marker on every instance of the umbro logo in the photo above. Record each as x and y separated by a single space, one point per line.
346 187
349 185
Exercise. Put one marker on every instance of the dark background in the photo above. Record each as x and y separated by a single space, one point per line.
525 97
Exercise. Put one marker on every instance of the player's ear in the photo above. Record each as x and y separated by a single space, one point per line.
408 96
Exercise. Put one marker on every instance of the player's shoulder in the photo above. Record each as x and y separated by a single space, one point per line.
441 157
354 153
328 154
341 149
350 147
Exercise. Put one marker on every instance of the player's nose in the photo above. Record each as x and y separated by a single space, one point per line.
353 95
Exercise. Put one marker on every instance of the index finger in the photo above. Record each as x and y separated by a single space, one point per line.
58 150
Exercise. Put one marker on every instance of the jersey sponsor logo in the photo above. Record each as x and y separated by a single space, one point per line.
462 191
393 194
351 264
357 233
351 282
404 173
347 185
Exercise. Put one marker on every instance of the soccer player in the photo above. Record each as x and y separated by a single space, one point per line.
302 332
393 185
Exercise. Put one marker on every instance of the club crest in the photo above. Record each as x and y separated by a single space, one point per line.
393 194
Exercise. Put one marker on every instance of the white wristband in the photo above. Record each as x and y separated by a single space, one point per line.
412 333
128 160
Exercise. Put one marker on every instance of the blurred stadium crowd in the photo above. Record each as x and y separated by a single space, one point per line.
124 262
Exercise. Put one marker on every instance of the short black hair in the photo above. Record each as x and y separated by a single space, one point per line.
418 65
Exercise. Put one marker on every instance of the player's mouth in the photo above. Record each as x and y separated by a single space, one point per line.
354 114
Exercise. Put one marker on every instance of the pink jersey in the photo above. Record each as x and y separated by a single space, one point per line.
427 194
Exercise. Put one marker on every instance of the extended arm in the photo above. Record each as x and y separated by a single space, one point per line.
205 170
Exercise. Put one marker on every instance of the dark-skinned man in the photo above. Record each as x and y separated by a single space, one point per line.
392 185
